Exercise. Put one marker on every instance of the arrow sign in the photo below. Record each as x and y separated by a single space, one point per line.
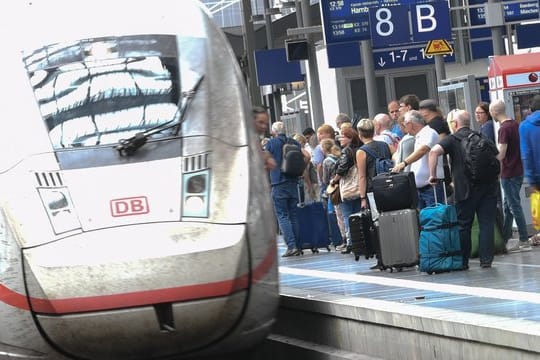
438 47
381 62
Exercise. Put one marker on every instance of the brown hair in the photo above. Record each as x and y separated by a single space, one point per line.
328 129
353 135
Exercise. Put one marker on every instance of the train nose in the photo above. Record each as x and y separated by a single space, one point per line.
139 292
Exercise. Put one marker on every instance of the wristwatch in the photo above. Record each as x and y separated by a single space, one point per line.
405 162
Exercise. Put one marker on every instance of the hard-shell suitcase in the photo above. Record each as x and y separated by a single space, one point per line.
363 234
439 244
395 191
313 227
398 239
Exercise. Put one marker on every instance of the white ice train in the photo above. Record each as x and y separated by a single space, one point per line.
135 220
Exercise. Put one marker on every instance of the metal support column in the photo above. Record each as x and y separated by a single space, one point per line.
496 33
273 98
249 49
369 75
315 100
440 69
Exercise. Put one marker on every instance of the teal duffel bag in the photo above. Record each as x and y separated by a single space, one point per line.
439 245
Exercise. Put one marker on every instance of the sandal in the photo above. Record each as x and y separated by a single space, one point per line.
535 240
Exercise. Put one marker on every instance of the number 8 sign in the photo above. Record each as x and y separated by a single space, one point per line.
391 25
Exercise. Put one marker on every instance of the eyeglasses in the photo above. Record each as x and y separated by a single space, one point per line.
402 105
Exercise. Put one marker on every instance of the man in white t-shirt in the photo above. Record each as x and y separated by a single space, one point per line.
424 139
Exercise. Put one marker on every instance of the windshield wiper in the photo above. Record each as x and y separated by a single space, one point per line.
129 146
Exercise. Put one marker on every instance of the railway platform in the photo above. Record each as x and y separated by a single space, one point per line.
333 307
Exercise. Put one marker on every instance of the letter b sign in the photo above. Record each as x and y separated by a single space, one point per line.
390 25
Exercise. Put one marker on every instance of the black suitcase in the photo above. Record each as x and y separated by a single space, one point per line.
395 191
363 234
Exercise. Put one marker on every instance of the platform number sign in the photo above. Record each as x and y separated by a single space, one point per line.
392 25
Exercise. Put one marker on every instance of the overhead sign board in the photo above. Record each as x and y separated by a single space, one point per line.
393 26
438 47
404 57
515 11
349 20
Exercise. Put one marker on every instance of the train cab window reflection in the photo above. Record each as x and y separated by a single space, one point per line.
99 91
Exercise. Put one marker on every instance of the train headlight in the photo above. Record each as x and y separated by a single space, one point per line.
195 194
60 209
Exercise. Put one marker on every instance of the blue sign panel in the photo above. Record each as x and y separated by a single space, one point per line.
512 12
431 22
343 55
527 35
346 20
273 68
389 25
397 58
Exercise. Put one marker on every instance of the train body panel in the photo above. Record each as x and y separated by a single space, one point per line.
136 221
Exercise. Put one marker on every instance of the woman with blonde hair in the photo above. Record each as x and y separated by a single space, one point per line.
309 177
332 153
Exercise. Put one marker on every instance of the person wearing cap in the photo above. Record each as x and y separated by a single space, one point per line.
433 116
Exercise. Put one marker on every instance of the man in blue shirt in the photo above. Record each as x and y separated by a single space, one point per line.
284 190
529 133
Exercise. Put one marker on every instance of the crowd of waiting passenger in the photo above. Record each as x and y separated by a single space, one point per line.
418 137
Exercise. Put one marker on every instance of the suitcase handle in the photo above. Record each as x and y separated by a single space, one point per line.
439 181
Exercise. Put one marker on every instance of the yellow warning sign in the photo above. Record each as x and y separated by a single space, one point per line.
438 47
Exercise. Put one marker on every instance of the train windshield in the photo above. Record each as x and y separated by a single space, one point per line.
98 91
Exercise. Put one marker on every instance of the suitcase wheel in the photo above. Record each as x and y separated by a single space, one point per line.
328 248
356 257
315 250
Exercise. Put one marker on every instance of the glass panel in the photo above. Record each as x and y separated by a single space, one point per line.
98 91
414 84
359 97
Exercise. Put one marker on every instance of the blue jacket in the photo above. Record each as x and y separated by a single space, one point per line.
275 147
529 134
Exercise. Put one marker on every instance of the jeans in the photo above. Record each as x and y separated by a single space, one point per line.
483 202
349 207
426 196
512 208
285 197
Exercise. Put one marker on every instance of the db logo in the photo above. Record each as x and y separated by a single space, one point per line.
129 206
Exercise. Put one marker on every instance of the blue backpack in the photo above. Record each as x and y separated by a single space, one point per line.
382 165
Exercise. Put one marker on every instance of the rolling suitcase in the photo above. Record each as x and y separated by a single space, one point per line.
439 244
398 239
313 231
363 234
395 191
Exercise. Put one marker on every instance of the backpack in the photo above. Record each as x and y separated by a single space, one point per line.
381 165
292 162
481 164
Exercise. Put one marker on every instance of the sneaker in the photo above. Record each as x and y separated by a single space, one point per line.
291 252
525 247
341 247
347 249
485 265
512 246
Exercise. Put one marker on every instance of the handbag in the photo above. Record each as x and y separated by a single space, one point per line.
348 185
535 209
334 194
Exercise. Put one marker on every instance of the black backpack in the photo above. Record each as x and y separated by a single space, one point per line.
292 162
480 155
